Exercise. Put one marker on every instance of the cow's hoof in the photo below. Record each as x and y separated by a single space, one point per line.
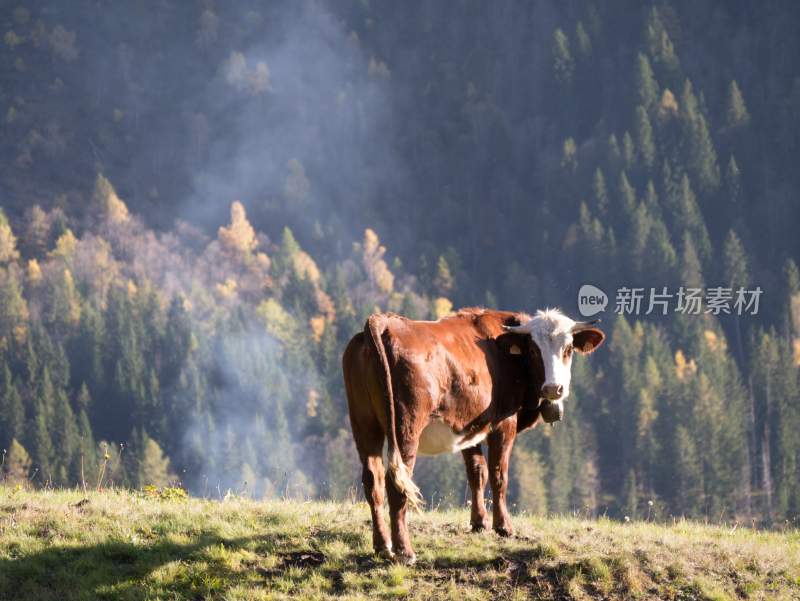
405 559
385 554
478 527
504 531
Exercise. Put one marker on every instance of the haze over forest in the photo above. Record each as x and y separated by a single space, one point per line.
202 202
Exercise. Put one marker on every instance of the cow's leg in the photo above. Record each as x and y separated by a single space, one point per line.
398 505
477 475
368 435
372 476
500 442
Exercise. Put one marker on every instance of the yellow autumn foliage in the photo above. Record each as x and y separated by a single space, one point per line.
106 201
65 245
312 401
8 242
714 342
131 288
34 272
277 320
376 267
317 324
227 289
239 236
442 307
305 268
668 107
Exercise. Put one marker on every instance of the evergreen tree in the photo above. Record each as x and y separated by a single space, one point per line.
12 412
563 63
86 459
627 195
733 184
583 40
528 489
17 464
65 439
688 499
736 114
630 506
154 467
737 277
14 312
644 137
444 278
628 150
646 84
600 192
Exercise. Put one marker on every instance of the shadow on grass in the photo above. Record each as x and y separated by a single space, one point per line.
121 570
540 569
111 570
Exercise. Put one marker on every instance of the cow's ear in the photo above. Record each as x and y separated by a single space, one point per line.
587 340
513 344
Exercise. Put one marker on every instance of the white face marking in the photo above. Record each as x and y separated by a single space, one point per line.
551 330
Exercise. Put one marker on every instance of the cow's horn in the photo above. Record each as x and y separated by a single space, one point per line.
581 325
520 329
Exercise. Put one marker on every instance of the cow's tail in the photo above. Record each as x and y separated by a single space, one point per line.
397 470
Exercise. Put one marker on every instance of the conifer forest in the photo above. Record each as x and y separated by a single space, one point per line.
203 201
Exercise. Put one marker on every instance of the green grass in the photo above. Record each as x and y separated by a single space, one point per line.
120 545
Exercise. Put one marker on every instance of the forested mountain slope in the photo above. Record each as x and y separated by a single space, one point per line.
196 198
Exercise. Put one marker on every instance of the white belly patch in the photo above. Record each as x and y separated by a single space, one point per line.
438 437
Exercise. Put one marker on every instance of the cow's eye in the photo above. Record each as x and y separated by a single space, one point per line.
567 351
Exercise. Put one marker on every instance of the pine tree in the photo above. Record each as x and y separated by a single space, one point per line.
563 63
686 215
65 440
646 84
786 438
599 191
736 114
688 499
583 40
791 327
12 412
86 459
17 465
733 184
630 502
703 156
154 466
528 489
444 278
614 152
644 137
627 195
628 150
8 242
14 314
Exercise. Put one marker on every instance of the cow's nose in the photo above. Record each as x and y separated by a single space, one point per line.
552 392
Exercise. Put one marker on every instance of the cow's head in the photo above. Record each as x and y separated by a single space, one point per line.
554 338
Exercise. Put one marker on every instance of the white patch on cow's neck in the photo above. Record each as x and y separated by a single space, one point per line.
438 438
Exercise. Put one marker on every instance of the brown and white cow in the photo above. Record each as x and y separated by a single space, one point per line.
447 386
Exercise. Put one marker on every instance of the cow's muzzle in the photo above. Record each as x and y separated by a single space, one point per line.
551 411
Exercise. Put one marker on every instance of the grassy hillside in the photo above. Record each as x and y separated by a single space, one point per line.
119 545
